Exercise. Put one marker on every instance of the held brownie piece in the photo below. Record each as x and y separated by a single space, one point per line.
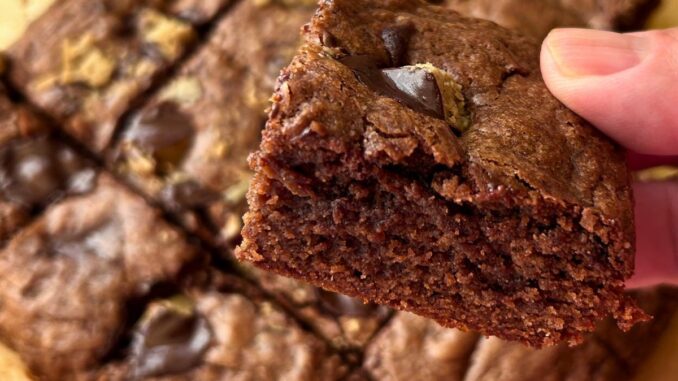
86 61
537 17
416 159
35 168
214 333
188 145
69 280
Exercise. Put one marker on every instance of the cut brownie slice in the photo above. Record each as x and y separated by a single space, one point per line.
35 167
415 158
188 145
214 333
86 61
69 279
536 18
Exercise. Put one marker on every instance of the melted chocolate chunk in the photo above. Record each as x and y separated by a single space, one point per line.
164 131
188 194
342 305
414 87
396 38
419 89
34 172
170 343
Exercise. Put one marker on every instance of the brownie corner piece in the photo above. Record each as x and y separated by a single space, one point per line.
415 158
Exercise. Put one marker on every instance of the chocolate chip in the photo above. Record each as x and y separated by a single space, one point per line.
396 39
171 342
187 194
417 89
342 305
35 171
163 131
412 86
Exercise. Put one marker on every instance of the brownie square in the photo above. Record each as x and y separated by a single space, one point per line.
71 278
211 332
36 168
415 158
86 61
188 145
536 18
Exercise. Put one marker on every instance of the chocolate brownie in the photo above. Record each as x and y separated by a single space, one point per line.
413 348
69 278
416 349
415 158
496 360
536 18
346 322
188 145
215 334
86 61
35 167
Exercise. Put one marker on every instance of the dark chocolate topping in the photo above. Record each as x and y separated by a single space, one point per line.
396 38
34 172
342 305
187 194
419 89
414 87
164 131
170 343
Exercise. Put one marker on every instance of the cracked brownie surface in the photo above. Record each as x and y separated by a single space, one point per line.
72 274
210 332
35 167
415 158
94 291
88 71
188 145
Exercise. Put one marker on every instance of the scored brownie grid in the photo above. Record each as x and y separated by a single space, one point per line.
352 357
213 251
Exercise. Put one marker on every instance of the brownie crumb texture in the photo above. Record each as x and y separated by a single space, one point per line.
414 158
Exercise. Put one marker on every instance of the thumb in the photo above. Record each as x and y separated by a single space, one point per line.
625 84
656 234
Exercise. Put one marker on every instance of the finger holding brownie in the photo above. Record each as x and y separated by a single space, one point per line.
625 85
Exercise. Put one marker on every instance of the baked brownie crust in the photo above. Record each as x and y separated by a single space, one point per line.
85 62
214 332
36 168
188 145
69 277
498 210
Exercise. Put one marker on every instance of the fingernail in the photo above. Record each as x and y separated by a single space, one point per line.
583 52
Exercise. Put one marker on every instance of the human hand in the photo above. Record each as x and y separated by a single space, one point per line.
627 86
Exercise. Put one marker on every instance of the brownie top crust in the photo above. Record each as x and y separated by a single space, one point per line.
520 140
